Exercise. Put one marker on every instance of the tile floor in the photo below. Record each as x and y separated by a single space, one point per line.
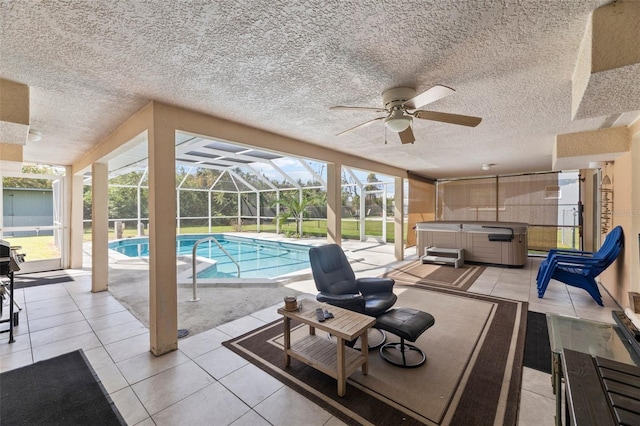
203 382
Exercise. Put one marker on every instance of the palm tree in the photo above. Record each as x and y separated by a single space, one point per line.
295 207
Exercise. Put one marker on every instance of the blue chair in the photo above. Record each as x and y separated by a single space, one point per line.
580 268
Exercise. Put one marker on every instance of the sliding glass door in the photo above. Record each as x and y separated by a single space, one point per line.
32 218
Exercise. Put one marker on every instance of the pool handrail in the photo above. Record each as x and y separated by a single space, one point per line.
193 263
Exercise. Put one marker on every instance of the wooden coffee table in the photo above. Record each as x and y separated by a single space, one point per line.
332 358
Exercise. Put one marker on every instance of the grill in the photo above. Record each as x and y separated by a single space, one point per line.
10 262
5 253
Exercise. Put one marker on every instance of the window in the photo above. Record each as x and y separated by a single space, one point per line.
548 202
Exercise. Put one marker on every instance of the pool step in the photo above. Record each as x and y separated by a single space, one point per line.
443 256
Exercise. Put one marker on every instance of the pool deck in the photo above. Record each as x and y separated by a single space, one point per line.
59 318
225 300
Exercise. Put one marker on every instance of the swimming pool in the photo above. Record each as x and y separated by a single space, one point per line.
257 258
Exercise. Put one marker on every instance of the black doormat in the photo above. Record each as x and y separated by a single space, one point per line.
40 278
58 391
537 350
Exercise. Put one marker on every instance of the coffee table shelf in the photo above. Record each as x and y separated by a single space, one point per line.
320 353
332 358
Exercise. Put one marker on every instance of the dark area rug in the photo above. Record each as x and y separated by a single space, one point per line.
469 378
40 278
59 391
436 275
537 350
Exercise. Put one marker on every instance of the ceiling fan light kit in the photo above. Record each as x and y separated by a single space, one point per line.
397 103
397 121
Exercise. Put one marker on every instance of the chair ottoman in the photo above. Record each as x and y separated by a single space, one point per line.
408 324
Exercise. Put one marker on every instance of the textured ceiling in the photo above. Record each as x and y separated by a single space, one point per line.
280 65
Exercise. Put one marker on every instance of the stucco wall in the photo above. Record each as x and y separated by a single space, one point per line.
624 275
616 279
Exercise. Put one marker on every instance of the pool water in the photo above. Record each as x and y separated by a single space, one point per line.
257 258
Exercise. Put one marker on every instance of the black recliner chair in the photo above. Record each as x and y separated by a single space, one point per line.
338 285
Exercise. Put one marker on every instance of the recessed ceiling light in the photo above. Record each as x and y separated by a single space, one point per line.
487 166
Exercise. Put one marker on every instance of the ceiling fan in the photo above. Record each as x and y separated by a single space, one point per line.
398 103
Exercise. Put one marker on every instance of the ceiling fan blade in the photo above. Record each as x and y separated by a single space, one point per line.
356 108
462 120
360 125
406 136
428 96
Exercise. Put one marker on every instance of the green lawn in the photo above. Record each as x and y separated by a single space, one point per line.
36 248
318 228
315 228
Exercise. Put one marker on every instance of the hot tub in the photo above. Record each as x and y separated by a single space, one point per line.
497 243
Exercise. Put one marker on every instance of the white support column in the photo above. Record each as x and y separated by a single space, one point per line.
67 185
140 225
398 226
258 211
362 214
300 218
634 249
239 197
384 213
178 209
163 300
277 211
99 227
139 222
209 209
334 203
